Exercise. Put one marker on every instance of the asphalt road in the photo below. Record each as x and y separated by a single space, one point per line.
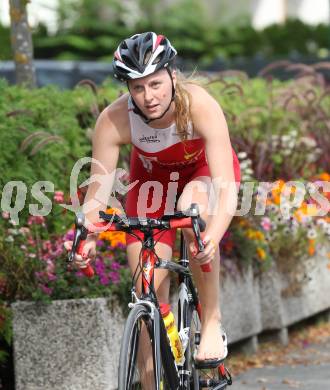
311 372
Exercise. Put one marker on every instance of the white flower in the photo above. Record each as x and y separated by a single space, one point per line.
248 171
311 157
244 164
273 208
321 222
311 187
242 155
9 239
294 133
14 232
286 138
308 141
311 234
286 230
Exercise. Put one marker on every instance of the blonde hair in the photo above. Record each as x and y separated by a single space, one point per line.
183 103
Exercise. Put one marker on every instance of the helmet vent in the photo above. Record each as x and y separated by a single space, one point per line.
147 57
156 60
128 62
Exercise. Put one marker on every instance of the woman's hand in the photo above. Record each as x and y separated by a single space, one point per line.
207 255
88 254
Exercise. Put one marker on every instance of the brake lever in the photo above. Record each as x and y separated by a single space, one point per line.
196 220
79 241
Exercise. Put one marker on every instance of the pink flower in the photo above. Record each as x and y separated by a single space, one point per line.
58 197
24 230
47 245
36 219
5 215
50 266
45 289
51 277
266 224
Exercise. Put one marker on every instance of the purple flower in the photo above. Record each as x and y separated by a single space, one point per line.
104 280
115 266
115 277
69 235
99 243
79 274
99 266
39 275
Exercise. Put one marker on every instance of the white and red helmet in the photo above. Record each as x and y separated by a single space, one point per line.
142 55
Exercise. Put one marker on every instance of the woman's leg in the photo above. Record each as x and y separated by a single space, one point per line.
207 283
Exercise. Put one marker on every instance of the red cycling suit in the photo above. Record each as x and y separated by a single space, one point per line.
162 165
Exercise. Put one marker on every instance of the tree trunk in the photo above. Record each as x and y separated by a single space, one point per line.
21 43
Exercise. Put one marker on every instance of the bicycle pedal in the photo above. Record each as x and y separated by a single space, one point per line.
213 384
225 374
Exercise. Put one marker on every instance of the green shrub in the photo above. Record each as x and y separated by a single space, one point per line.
45 131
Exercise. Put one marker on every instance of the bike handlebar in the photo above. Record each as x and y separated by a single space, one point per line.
113 222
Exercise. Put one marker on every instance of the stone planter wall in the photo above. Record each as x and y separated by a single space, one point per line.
240 306
74 344
279 311
68 345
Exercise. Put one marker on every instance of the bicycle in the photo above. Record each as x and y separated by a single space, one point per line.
145 315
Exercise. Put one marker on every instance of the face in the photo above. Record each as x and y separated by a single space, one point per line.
153 93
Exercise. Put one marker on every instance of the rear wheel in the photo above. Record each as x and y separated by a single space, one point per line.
137 359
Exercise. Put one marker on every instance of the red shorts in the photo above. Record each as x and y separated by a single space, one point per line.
157 193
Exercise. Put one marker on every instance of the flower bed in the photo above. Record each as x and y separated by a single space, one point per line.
280 131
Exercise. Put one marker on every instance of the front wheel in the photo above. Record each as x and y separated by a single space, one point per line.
193 322
137 357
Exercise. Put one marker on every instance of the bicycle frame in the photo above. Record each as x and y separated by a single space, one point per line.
187 295
161 345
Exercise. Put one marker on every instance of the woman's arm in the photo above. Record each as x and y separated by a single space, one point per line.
209 122
111 131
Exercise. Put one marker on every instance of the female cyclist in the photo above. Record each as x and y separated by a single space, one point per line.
181 155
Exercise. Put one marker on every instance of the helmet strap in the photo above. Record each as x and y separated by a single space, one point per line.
145 119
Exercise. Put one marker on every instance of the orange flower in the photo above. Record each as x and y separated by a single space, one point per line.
311 247
261 253
114 238
324 176
113 210
309 209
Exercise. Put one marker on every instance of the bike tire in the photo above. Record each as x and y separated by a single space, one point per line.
133 374
193 322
